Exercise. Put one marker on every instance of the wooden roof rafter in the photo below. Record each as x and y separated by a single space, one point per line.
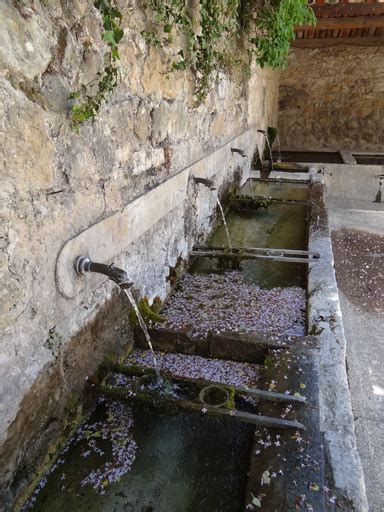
346 22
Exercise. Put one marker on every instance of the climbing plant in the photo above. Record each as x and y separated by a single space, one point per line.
107 79
224 25
276 31
209 38
204 48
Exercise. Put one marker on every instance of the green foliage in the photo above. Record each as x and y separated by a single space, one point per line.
223 25
276 26
213 38
218 18
107 79
204 50
268 361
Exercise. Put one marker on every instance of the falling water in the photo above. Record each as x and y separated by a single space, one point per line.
144 328
278 148
269 149
225 222
251 184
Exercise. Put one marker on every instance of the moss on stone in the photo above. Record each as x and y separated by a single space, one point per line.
149 313
230 403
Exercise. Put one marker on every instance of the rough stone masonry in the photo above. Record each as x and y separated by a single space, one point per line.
55 184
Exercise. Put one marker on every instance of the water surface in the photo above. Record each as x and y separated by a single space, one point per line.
184 463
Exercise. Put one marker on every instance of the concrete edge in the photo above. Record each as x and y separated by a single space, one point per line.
282 175
336 417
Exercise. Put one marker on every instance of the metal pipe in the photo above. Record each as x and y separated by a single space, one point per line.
117 275
204 181
241 152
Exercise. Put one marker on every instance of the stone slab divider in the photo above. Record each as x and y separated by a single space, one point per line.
325 321
112 236
250 348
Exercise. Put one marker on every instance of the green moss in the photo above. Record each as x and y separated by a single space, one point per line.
268 361
246 203
149 313
230 403
232 262
74 416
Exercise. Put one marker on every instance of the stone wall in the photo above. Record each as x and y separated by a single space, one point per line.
56 184
333 98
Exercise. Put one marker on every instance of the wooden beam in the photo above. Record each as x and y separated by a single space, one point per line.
347 22
336 41
345 10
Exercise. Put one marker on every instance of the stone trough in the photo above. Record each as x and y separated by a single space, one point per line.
296 454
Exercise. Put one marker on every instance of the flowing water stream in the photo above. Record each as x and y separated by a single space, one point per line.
278 148
279 226
144 328
269 149
224 222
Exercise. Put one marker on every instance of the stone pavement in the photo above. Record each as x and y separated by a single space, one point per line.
364 331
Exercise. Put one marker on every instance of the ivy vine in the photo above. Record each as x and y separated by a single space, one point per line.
105 80
224 25
203 48
226 29
276 31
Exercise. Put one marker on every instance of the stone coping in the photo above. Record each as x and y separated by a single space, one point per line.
325 321
113 235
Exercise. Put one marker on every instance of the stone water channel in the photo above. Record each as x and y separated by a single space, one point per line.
236 321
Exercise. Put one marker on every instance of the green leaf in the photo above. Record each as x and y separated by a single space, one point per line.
109 37
115 13
118 34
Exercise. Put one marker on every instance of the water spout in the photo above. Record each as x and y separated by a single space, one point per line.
241 152
204 181
120 277
117 275
212 186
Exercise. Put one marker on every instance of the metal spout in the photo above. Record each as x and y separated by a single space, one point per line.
240 151
208 183
378 195
117 275
262 131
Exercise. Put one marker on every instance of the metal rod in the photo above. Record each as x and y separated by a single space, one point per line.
261 394
270 199
248 256
245 417
268 250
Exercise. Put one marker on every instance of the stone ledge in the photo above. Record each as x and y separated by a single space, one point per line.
324 318
112 236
